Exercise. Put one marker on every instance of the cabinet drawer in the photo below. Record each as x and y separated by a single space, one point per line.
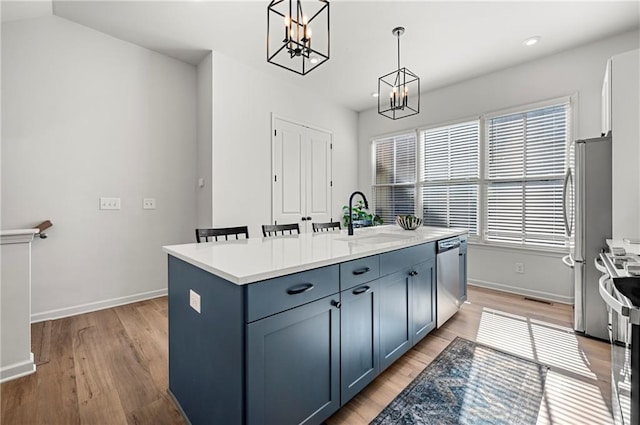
359 271
279 294
394 261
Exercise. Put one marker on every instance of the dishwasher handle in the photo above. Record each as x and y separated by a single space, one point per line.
448 244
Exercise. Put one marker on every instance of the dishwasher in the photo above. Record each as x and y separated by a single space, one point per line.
447 279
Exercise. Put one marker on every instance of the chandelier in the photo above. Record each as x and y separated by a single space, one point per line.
399 91
298 34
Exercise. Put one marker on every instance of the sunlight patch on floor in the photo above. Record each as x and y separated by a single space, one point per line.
569 401
543 342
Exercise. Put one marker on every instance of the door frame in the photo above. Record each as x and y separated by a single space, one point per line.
275 117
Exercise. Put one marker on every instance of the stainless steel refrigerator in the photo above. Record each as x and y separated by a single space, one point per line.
587 217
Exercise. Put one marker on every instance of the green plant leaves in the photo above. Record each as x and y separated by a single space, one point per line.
359 213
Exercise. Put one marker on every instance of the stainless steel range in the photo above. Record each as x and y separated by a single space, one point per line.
619 287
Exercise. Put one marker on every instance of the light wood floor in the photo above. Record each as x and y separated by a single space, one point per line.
110 366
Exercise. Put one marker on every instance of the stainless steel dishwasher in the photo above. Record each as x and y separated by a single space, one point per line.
447 279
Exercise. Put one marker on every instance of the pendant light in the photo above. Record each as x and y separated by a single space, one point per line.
298 34
399 91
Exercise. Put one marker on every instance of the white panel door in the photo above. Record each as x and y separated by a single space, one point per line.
301 175
318 177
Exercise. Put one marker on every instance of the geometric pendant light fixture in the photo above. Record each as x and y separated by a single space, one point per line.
298 34
399 91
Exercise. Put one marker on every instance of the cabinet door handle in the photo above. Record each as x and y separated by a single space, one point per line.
309 218
361 271
336 304
304 219
300 289
413 273
361 290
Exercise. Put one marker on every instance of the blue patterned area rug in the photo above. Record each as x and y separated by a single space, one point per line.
470 383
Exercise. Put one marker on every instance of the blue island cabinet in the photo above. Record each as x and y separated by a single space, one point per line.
359 325
293 349
262 353
293 365
388 305
407 300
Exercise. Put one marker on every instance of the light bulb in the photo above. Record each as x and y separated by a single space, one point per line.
531 41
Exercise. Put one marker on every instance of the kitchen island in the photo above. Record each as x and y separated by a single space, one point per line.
286 330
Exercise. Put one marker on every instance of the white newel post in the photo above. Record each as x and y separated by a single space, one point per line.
16 358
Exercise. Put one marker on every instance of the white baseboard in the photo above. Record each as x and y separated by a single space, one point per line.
95 306
17 370
522 291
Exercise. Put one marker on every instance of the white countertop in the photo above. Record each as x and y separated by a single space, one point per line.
255 259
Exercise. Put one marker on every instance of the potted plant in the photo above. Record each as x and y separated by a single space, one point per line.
360 215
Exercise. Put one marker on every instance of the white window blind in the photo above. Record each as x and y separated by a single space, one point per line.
526 160
450 176
395 177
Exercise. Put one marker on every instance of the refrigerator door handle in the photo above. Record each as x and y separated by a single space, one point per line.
567 260
568 179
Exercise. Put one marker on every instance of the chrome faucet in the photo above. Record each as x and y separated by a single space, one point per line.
366 205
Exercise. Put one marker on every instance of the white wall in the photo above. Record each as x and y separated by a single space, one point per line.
86 115
244 100
205 134
581 71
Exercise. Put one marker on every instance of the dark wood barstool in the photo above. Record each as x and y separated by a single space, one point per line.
280 229
326 227
203 235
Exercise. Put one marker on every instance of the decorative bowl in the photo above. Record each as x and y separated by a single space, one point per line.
408 222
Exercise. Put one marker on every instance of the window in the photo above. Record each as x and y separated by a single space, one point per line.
394 185
500 177
526 160
450 176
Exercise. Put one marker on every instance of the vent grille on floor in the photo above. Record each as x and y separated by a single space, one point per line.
538 301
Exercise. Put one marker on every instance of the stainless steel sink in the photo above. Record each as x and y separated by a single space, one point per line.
375 238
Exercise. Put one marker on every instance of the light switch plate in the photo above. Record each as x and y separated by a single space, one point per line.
149 203
194 300
109 203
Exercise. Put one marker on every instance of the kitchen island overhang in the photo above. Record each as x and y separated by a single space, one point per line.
288 329
250 260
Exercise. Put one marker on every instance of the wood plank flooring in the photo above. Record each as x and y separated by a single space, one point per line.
110 366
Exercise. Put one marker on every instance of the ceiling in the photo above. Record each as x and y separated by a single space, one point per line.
445 42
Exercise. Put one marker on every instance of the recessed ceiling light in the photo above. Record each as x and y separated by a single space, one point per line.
313 60
374 94
531 41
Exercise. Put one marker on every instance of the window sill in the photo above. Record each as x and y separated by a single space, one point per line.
542 252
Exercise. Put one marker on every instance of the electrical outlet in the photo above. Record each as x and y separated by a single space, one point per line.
149 203
194 300
109 203
520 268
